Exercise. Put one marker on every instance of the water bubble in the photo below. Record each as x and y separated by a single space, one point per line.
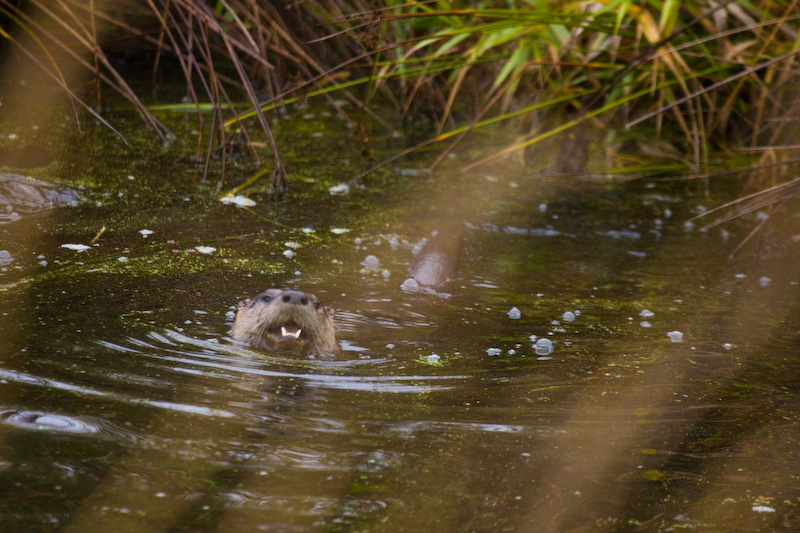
410 285
433 358
646 313
764 281
494 351
371 261
514 314
675 336
543 347
645 324
568 316
533 338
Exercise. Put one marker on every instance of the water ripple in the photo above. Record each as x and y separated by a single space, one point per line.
42 421
21 377
212 358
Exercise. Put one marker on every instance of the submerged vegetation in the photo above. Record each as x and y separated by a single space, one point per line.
652 87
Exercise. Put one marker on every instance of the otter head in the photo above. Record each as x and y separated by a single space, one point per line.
281 319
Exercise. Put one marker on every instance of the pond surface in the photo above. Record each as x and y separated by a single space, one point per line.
126 406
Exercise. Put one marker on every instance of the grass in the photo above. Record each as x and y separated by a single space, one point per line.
690 81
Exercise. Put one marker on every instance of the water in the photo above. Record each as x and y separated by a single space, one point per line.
124 404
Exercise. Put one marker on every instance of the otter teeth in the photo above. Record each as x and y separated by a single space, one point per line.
286 333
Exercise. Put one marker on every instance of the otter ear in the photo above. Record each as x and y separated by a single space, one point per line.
330 312
244 303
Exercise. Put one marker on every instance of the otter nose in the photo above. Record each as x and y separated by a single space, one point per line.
295 298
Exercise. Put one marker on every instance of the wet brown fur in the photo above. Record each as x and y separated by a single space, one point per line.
259 319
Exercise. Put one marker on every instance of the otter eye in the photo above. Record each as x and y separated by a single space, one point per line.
266 298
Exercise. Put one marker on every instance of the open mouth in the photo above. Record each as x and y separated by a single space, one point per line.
290 331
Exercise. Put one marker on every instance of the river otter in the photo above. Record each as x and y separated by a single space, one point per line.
290 320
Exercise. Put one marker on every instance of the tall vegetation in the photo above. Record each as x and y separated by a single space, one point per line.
712 76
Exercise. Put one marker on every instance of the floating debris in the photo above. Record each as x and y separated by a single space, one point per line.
76 247
340 189
205 249
239 200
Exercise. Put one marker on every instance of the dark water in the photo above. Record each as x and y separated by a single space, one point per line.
124 406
